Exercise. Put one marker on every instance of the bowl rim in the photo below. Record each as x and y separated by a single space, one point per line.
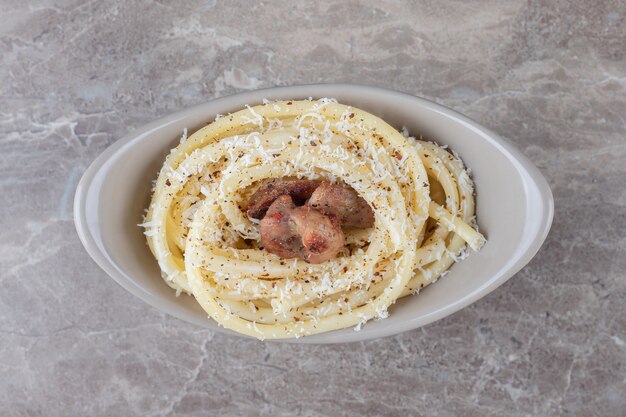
534 178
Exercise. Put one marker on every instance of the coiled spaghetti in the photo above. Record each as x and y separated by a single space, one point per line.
197 229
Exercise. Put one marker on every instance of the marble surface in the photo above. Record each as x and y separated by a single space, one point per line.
548 75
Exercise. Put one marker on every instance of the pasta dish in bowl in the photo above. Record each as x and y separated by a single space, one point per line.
292 218
311 217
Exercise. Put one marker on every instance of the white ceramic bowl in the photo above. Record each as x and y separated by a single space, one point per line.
514 204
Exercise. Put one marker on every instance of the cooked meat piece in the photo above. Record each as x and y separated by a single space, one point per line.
298 190
344 203
300 232
322 236
278 233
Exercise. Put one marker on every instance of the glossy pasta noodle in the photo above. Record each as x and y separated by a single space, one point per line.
196 226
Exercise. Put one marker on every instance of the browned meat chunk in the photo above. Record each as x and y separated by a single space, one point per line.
300 232
278 232
298 190
322 236
344 203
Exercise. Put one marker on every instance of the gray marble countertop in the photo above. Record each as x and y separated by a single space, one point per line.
77 75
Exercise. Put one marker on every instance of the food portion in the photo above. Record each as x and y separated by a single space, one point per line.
344 203
292 218
300 232
311 228
262 199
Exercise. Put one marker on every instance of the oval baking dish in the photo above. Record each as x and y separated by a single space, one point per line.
514 204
